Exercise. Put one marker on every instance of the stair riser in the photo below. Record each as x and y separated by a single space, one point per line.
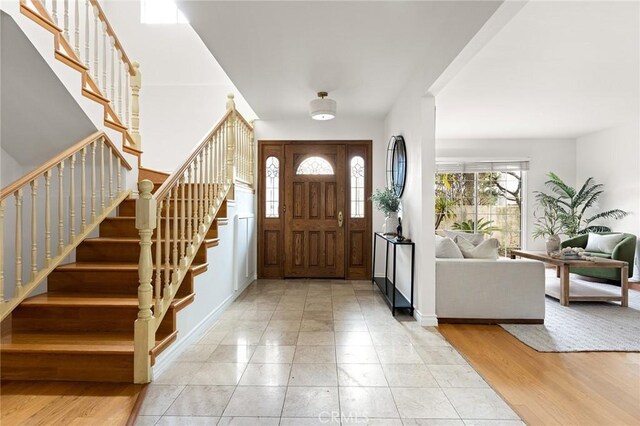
113 228
128 208
67 367
125 252
75 318
106 282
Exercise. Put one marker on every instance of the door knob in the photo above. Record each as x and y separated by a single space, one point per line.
340 219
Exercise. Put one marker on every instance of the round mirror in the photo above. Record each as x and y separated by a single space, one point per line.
396 164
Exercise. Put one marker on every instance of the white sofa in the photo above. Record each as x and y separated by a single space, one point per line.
489 291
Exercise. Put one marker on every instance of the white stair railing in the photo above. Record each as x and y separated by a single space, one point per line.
86 41
55 205
181 211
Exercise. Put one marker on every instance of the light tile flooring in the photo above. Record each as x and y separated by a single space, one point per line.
314 352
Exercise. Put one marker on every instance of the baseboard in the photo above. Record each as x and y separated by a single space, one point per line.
195 334
425 320
491 321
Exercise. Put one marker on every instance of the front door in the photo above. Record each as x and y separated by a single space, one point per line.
314 210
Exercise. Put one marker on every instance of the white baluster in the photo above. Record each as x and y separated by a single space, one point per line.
183 199
110 175
205 183
196 196
66 19
18 196
72 198
87 33
47 217
2 251
60 207
104 60
93 181
158 260
54 11
127 91
136 82
189 212
34 237
119 180
120 66
83 191
96 49
113 72
76 19
176 276
167 248
101 175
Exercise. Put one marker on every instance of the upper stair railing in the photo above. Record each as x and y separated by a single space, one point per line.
86 41
61 202
182 210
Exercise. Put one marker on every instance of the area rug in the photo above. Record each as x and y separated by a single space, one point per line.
584 326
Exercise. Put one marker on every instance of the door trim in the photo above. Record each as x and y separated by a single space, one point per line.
268 148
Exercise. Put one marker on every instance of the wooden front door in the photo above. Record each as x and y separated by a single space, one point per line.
314 216
314 210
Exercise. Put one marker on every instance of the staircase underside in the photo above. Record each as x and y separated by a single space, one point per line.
82 328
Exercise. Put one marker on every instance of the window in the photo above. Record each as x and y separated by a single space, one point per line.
485 197
272 189
357 187
161 12
314 166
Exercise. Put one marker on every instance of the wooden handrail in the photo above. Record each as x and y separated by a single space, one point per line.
40 170
103 17
175 176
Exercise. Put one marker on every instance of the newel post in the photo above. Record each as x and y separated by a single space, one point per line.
231 143
251 155
136 84
144 332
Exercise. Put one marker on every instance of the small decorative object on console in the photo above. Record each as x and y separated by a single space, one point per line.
399 236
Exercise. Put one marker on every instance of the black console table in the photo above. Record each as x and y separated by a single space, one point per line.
392 296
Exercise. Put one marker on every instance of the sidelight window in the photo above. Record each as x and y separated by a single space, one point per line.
272 190
357 187
315 166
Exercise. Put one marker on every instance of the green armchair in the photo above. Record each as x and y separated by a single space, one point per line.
625 251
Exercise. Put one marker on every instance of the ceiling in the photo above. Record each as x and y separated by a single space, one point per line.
279 54
557 69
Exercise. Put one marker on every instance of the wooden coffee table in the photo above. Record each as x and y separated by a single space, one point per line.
563 266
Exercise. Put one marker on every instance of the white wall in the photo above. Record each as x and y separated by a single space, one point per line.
612 157
544 155
184 89
231 268
413 117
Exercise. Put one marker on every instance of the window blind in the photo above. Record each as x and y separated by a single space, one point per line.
460 166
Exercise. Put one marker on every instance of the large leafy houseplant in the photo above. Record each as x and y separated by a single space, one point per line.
572 206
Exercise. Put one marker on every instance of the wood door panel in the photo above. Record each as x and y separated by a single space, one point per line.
356 248
271 248
313 237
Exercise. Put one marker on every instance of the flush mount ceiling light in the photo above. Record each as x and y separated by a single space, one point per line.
322 108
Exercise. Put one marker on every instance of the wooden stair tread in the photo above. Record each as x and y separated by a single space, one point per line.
87 342
115 266
92 300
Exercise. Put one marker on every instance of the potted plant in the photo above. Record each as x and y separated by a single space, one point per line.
571 206
388 203
547 223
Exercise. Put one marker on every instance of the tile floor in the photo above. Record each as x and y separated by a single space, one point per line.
317 352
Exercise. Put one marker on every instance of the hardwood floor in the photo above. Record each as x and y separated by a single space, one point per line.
66 403
594 388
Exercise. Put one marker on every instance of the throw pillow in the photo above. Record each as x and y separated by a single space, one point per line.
487 249
474 239
446 248
599 243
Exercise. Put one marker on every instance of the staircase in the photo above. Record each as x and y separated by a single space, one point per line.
82 328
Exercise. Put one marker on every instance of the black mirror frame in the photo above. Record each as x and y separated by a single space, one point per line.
396 164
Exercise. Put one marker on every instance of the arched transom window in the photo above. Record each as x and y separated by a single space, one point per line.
314 166
357 187
272 193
